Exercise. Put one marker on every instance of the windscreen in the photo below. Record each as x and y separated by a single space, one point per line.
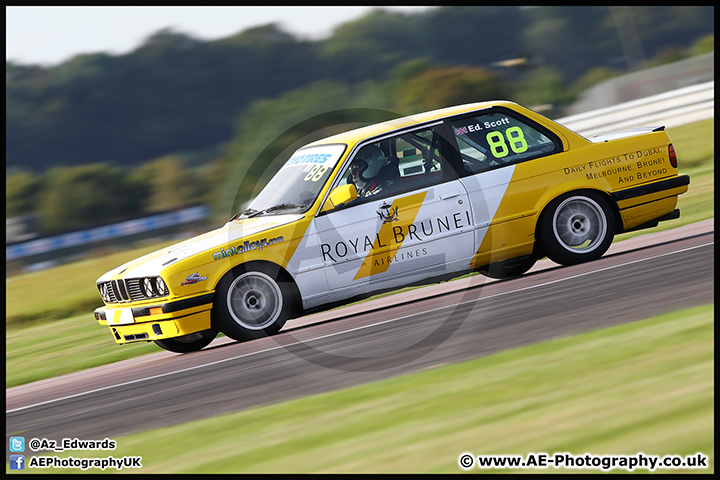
296 186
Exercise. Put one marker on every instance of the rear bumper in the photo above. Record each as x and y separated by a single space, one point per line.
654 223
645 205
155 322
664 188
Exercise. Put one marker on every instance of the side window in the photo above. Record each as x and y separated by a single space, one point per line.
495 139
397 164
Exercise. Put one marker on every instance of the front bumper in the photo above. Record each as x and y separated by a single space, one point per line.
157 321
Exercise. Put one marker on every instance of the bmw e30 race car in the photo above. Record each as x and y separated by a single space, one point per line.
488 187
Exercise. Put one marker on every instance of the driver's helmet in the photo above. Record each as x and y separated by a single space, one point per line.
374 158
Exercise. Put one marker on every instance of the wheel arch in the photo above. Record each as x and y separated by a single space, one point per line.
617 218
266 266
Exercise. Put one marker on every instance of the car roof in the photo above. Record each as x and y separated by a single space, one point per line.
353 136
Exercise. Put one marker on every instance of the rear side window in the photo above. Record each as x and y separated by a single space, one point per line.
495 139
413 160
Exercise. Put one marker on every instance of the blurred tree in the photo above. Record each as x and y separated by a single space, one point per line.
21 192
261 35
703 45
370 47
470 35
675 26
166 41
667 55
595 76
439 88
173 93
570 39
409 70
75 197
547 34
170 184
176 93
543 86
272 129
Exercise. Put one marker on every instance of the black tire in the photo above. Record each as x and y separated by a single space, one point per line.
513 267
577 227
252 302
188 343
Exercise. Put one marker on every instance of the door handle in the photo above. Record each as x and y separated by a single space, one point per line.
445 196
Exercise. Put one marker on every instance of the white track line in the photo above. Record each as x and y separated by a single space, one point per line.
354 329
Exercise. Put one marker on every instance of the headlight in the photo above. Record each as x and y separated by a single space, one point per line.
160 287
147 287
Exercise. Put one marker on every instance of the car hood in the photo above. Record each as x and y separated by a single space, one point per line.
153 263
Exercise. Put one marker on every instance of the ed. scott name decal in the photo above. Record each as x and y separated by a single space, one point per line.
476 127
500 141
246 247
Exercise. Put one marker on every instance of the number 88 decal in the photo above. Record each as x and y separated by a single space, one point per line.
515 137
315 173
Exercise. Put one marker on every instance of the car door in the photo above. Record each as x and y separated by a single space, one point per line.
488 146
416 226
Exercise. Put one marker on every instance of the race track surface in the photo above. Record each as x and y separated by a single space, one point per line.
423 328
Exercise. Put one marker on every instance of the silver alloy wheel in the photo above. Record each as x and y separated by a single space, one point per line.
579 224
254 300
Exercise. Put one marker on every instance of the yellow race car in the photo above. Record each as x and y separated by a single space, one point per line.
488 187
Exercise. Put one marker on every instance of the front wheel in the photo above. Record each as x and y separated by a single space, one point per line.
251 304
188 343
577 227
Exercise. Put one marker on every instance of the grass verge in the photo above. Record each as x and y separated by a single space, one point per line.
42 351
644 387
66 289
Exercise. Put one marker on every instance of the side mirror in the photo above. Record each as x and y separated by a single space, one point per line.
341 195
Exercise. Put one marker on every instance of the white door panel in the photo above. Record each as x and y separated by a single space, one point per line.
307 266
486 191
368 245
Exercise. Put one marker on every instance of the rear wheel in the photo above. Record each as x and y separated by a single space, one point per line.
252 303
188 343
577 227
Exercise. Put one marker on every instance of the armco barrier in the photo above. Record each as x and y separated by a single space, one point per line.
107 232
685 105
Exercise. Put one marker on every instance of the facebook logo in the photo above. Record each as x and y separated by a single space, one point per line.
17 462
17 444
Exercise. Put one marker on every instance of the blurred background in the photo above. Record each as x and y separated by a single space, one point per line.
104 150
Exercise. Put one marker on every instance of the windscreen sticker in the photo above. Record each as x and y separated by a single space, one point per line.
311 159
321 155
